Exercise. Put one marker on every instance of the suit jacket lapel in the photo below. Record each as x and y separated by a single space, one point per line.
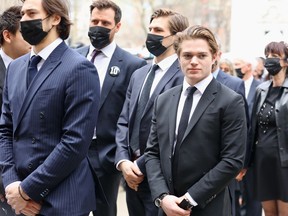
2 65
174 69
109 80
251 92
174 102
207 97
137 86
48 67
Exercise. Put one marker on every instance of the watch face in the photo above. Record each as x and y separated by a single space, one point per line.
158 202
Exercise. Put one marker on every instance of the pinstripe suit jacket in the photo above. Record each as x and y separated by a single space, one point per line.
46 129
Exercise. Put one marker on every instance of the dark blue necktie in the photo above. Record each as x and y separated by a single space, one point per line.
142 102
32 69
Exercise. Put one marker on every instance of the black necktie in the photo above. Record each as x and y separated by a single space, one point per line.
185 115
32 69
94 54
142 102
182 127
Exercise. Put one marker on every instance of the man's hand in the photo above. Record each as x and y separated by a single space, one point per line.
241 174
170 206
132 174
13 197
32 208
21 206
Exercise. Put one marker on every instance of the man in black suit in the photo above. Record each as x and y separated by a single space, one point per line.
246 66
189 164
135 119
115 67
12 46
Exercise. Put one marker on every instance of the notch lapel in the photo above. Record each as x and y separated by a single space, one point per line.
207 98
170 73
48 67
109 80
174 102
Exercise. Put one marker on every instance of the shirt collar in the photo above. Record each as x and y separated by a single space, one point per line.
166 63
216 72
6 59
45 52
201 86
107 50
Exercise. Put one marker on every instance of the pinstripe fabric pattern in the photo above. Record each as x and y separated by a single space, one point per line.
52 125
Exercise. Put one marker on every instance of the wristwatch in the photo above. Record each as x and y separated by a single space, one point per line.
158 200
185 204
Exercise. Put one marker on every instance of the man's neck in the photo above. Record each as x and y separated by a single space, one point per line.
164 55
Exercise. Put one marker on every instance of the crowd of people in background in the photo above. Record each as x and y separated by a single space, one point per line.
189 132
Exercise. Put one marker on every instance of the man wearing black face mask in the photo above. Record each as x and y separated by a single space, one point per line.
50 102
115 67
135 119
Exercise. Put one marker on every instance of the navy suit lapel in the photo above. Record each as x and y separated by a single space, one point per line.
174 69
109 80
48 67
137 86
206 99
221 77
2 65
252 92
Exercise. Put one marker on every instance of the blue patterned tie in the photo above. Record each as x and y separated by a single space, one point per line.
32 69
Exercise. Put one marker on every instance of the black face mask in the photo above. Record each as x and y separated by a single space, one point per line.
273 66
239 73
154 44
32 31
99 36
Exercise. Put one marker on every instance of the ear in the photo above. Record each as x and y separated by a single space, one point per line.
117 27
7 36
56 19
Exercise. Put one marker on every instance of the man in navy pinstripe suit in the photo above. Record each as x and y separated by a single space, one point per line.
47 120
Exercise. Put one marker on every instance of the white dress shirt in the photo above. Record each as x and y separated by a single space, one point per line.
201 86
102 60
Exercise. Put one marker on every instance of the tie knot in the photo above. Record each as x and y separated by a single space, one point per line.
190 90
154 67
35 60
94 54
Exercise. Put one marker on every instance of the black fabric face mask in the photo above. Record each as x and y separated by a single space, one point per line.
32 31
273 66
99 36
239 73
154 44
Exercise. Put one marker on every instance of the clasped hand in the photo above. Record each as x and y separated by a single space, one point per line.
20 206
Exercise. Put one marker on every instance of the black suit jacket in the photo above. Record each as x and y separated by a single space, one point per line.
212 150
111 101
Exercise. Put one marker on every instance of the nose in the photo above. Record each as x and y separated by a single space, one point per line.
194 60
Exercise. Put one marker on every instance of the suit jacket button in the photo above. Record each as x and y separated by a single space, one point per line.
33 140
41 115
30 166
